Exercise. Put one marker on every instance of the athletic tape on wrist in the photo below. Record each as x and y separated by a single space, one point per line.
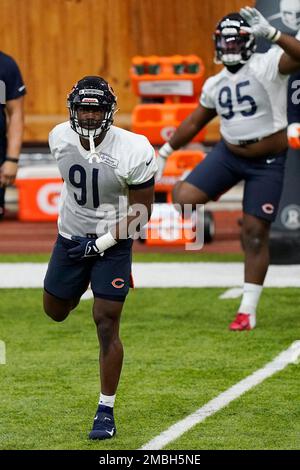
105 242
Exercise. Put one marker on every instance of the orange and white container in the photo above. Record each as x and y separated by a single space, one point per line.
39 190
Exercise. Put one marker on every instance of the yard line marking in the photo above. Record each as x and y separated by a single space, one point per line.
289 356
2 352
233 293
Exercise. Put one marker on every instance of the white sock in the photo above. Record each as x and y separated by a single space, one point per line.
251 295
107 400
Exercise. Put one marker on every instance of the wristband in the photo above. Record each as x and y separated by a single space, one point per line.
274 35
165 150
11 159
104 242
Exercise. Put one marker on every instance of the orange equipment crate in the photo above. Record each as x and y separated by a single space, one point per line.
179 163
169 89
169 77
159 121
166 226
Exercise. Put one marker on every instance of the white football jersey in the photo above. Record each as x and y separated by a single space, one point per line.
94 194
252 103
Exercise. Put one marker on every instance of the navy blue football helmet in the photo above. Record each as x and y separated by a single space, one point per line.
92 92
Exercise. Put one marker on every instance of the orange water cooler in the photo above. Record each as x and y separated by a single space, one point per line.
39 189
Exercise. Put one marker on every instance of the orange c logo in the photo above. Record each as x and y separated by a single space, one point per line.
118 283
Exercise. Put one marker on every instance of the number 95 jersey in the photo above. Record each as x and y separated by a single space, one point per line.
95 193
252 103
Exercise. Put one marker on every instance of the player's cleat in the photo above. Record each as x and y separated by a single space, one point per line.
104 425
242 321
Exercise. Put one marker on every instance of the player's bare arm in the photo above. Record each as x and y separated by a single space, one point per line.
140 201
15 113
260 27
290 59
191 126
185 132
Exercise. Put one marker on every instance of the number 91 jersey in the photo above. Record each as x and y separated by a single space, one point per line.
95 190
252 103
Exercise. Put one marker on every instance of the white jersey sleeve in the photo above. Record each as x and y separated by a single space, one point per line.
143 166
51 141
268 63
56 138
207 98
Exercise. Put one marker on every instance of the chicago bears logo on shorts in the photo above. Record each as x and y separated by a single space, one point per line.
118 283
268 208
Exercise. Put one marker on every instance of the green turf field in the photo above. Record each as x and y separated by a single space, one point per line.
137 257
178 355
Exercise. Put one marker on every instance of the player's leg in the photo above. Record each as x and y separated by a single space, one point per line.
65 281
263 189
209 179
255 236
110 280
58 309
255 239
107 314
186 193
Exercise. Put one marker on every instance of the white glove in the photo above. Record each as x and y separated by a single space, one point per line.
259 26
293 133
163 154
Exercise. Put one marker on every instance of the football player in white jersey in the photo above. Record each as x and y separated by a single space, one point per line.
108 189
250 96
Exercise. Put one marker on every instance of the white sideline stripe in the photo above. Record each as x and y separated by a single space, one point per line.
87 295
289 356
233 293
13 275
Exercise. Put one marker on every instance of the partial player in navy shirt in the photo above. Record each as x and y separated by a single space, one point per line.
294 112
12 90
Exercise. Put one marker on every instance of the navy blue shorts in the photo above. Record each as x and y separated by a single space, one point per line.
222 169
109 275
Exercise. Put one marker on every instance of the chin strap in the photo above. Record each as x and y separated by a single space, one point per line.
93 154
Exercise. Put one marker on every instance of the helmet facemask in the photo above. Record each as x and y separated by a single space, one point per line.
90 126
234 44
